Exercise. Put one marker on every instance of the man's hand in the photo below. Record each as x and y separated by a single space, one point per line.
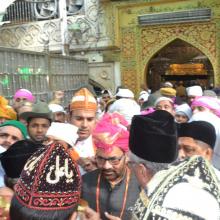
111 217
6 193
89 214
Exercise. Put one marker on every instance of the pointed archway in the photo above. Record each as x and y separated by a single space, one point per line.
179 61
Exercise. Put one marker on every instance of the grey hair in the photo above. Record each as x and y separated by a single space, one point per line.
153 166
202 144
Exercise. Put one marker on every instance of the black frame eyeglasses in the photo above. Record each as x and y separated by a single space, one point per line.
112 160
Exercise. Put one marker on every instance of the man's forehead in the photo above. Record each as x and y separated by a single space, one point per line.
182 140
40 120
114 151
165 102
8 129
83 113
21 97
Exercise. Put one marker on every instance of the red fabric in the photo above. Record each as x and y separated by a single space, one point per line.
50 180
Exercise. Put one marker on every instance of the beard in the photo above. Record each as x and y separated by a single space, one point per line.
114 175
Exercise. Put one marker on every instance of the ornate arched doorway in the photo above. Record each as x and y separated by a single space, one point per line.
179 61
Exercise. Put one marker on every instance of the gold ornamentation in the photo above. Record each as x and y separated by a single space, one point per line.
153 38
128 44
129 78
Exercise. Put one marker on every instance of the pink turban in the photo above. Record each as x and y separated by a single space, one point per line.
111 131
24 93
208 102
147 111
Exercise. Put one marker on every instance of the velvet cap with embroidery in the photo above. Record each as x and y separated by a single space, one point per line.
50 180
83 100
111 131
188 190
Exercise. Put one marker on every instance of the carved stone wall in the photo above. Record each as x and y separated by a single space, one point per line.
103 75
43 35
114 24
140 43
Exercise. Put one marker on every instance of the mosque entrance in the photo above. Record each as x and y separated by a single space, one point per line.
179 61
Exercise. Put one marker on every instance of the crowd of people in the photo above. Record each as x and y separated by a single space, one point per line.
112 157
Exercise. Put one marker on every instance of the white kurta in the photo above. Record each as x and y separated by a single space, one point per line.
85 149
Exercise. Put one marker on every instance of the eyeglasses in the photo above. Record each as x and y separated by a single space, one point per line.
112 160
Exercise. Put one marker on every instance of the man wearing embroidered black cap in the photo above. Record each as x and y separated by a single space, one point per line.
49 186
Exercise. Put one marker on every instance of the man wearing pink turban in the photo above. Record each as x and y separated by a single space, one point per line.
20 96
113 187
206 103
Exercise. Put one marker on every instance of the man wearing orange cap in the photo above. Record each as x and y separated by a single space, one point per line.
83 109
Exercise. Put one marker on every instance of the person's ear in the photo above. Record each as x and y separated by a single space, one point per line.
145 174
127 158
209 153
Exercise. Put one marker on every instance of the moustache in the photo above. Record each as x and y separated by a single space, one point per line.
107 170
82 129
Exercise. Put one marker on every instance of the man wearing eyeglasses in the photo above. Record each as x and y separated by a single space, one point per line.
112 188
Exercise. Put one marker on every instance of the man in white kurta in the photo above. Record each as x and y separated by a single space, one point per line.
83 110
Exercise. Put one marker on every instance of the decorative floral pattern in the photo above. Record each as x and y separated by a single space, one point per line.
50 180
140 43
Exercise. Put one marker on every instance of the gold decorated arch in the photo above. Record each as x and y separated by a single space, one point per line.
140 44
202 39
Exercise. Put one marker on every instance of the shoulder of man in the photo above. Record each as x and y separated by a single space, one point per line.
90 176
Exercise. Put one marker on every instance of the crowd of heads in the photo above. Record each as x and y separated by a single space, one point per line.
41 144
